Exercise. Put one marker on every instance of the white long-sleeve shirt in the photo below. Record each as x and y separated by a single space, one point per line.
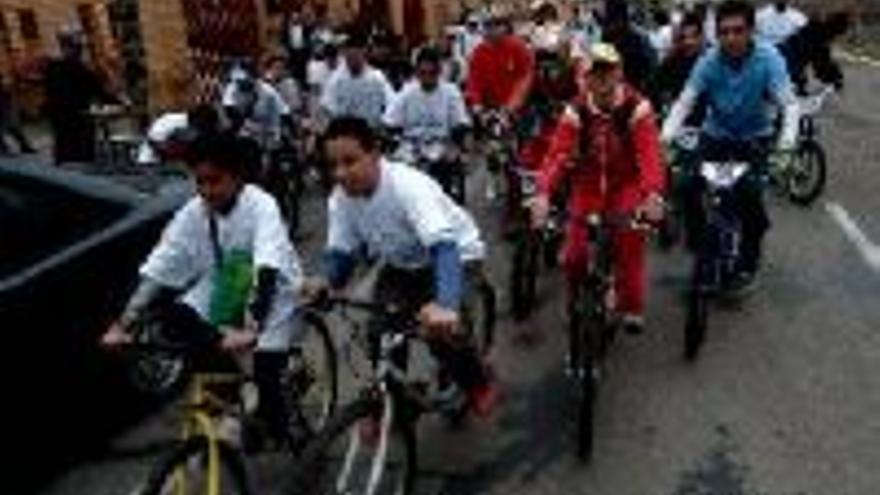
366 95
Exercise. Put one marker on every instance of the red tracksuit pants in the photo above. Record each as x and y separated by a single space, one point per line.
629 265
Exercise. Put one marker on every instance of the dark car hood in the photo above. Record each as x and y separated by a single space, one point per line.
130 207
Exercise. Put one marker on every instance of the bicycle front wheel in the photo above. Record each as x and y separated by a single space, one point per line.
312 376
365 450
585 342
185 469
806 180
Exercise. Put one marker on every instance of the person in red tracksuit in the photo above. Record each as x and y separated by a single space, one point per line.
607 148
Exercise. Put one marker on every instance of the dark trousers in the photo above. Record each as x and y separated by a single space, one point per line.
412 289
184 325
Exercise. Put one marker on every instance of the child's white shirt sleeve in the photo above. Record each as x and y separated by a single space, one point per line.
173 261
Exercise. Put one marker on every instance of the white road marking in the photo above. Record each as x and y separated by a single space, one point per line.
869 251
858 59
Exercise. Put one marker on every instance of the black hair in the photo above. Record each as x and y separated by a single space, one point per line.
355 128
224 151
692 19
204 119
661 17
355 37
736 8
616 13
428 54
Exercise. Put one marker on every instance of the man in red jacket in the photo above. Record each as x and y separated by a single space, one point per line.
607 148
500 69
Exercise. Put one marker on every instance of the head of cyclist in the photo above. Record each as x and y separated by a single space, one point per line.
70 43
689 37
781 5
605 77
355 53
201 120
736 26
353 155
428 68
497 28
216 163
545 13
275 68
616 21
244 76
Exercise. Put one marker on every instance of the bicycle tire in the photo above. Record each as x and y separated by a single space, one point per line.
697 319
523 278
483 336
164 471
326 405
585 342
311 475
810 160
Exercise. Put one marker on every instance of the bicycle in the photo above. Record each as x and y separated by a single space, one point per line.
160 365
500 151
718 244
802 176
528 246
593 322
370 447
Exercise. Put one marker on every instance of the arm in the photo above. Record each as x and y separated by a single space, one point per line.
338 261
783 93
146 294
678 114
274 258
556 162
474 84
448 274
684 105
394 112
646 139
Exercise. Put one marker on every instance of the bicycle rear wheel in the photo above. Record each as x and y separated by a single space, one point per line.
806 181
311 381
185 470
365 450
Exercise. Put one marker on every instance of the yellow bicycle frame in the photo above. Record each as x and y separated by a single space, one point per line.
199 420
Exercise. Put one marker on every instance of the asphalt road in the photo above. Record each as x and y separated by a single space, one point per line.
784 400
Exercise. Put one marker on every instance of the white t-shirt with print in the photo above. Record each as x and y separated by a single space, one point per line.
184 257
263 120
406 215
424 115
366 95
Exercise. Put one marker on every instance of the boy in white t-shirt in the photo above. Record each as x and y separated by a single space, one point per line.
224 274
429 248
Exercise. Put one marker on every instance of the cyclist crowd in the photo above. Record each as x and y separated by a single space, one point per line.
588 106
